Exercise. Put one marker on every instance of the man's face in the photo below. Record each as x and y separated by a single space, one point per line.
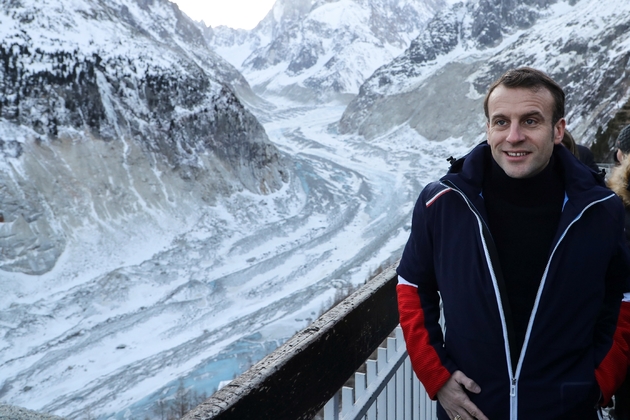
519 131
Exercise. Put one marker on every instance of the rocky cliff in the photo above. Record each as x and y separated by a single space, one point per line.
112 112
437 86
316 50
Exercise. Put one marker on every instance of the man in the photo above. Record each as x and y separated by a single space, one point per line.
522 246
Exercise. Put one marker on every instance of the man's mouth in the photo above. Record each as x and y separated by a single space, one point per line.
516 154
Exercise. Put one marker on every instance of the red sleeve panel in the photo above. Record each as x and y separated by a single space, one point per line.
421 341
612 370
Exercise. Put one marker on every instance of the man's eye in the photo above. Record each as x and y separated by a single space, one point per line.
530 121
500 122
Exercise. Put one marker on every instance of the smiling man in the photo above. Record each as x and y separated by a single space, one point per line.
522 129
522 246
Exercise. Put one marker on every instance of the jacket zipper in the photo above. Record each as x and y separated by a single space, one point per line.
513 380
514 399
514 377
513 391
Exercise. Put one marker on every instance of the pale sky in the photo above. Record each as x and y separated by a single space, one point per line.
241 14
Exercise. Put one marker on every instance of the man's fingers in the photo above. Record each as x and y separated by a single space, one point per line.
466 382
472 386
473 411
455 401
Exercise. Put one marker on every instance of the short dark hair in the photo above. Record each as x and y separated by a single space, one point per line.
529 78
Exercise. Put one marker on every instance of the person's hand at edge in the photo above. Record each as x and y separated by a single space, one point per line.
455 401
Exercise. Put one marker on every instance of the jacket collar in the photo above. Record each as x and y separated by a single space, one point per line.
582 185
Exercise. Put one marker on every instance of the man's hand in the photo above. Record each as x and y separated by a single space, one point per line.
454 400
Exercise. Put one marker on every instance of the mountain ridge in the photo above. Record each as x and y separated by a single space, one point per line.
484 50
311 50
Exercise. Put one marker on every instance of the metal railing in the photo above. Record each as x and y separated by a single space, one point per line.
389 390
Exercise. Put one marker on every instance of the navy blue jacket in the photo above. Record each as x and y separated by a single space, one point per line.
573 347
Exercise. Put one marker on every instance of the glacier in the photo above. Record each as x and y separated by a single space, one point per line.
119 322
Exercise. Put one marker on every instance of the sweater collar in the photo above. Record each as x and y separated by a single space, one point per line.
581 184
528 192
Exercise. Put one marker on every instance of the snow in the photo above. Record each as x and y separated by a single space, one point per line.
120 321
235 55
346 39
133 307
340 14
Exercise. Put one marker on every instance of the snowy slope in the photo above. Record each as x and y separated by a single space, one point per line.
138 249
584 45
120 131
113 336
112 112
311 50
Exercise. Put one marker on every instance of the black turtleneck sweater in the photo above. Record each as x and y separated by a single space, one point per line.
523 217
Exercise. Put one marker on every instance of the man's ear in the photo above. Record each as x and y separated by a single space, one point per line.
558 130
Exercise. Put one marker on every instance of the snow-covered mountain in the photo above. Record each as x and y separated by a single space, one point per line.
437 86
112 110
310 50
120 132
151 235
180 261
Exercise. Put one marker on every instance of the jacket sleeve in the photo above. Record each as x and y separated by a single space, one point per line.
419 305
613 355
611 371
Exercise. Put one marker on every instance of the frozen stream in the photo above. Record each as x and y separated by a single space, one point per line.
208 303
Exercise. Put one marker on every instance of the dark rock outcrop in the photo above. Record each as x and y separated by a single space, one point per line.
112 109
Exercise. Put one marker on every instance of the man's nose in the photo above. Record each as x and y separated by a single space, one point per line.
515 134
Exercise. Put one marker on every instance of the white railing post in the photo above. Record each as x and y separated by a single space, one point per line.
359 383
391 385
400 376
331 409
417 401
371 378
381 399
410 396
347 400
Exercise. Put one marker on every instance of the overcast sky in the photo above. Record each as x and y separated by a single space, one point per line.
244 14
